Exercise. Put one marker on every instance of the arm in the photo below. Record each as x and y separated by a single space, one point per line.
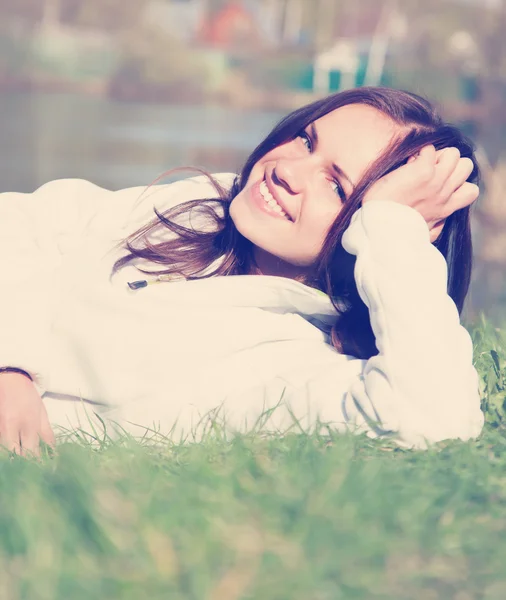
422 385
38 229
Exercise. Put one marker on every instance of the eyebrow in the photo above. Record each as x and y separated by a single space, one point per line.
339 172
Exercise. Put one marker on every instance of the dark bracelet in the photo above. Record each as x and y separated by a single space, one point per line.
15 370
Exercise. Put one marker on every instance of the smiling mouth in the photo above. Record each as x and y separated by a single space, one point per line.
271 201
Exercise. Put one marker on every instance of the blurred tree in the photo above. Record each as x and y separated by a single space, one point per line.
299 20
27 11
154 65
326 14
105 15
432 28
489 293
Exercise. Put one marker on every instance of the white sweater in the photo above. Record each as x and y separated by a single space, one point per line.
166 355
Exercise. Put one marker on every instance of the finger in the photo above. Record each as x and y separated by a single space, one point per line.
423 165
444 152
9 439
30 444
447 162
428 153
46 432
464 196
439 154
463 169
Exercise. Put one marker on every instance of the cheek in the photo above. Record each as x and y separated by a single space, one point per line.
318 218
235 210
310 235
283 151
259 167
241 215
256 171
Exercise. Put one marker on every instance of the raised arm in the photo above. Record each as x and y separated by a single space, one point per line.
422 386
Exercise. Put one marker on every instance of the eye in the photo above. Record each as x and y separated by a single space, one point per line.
309 143
306 140
338 189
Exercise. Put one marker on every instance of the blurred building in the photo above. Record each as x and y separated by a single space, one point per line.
234 24
180 18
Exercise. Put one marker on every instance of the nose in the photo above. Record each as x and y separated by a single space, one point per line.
289 174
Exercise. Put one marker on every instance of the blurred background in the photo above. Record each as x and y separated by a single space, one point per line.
119 91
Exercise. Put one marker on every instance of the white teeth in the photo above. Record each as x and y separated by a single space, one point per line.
270 200
265 192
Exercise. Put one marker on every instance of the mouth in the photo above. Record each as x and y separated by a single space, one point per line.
272 202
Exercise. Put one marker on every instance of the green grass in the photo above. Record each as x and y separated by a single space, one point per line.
309 517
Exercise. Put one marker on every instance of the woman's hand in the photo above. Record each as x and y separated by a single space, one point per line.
433 183
23 417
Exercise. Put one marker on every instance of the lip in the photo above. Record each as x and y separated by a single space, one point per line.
258 200
272 189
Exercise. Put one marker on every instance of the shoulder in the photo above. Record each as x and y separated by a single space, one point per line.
133 202
200 185
196 188
162 197
166 196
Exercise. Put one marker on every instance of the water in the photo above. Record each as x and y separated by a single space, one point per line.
46 136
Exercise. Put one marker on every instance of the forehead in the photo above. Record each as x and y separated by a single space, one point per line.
354 136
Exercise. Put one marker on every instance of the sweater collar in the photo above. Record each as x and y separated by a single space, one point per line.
276 294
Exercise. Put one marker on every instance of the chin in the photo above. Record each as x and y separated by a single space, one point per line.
244 221
240 220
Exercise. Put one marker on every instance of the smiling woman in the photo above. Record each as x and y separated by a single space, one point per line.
307 178
325 281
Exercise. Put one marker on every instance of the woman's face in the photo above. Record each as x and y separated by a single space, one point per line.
296 191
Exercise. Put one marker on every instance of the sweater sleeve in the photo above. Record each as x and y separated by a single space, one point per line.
38 229
422 386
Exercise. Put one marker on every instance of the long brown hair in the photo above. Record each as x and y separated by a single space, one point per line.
194 254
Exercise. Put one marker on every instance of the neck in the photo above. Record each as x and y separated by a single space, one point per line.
268 264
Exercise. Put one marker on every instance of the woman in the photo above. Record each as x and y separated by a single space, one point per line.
312 288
